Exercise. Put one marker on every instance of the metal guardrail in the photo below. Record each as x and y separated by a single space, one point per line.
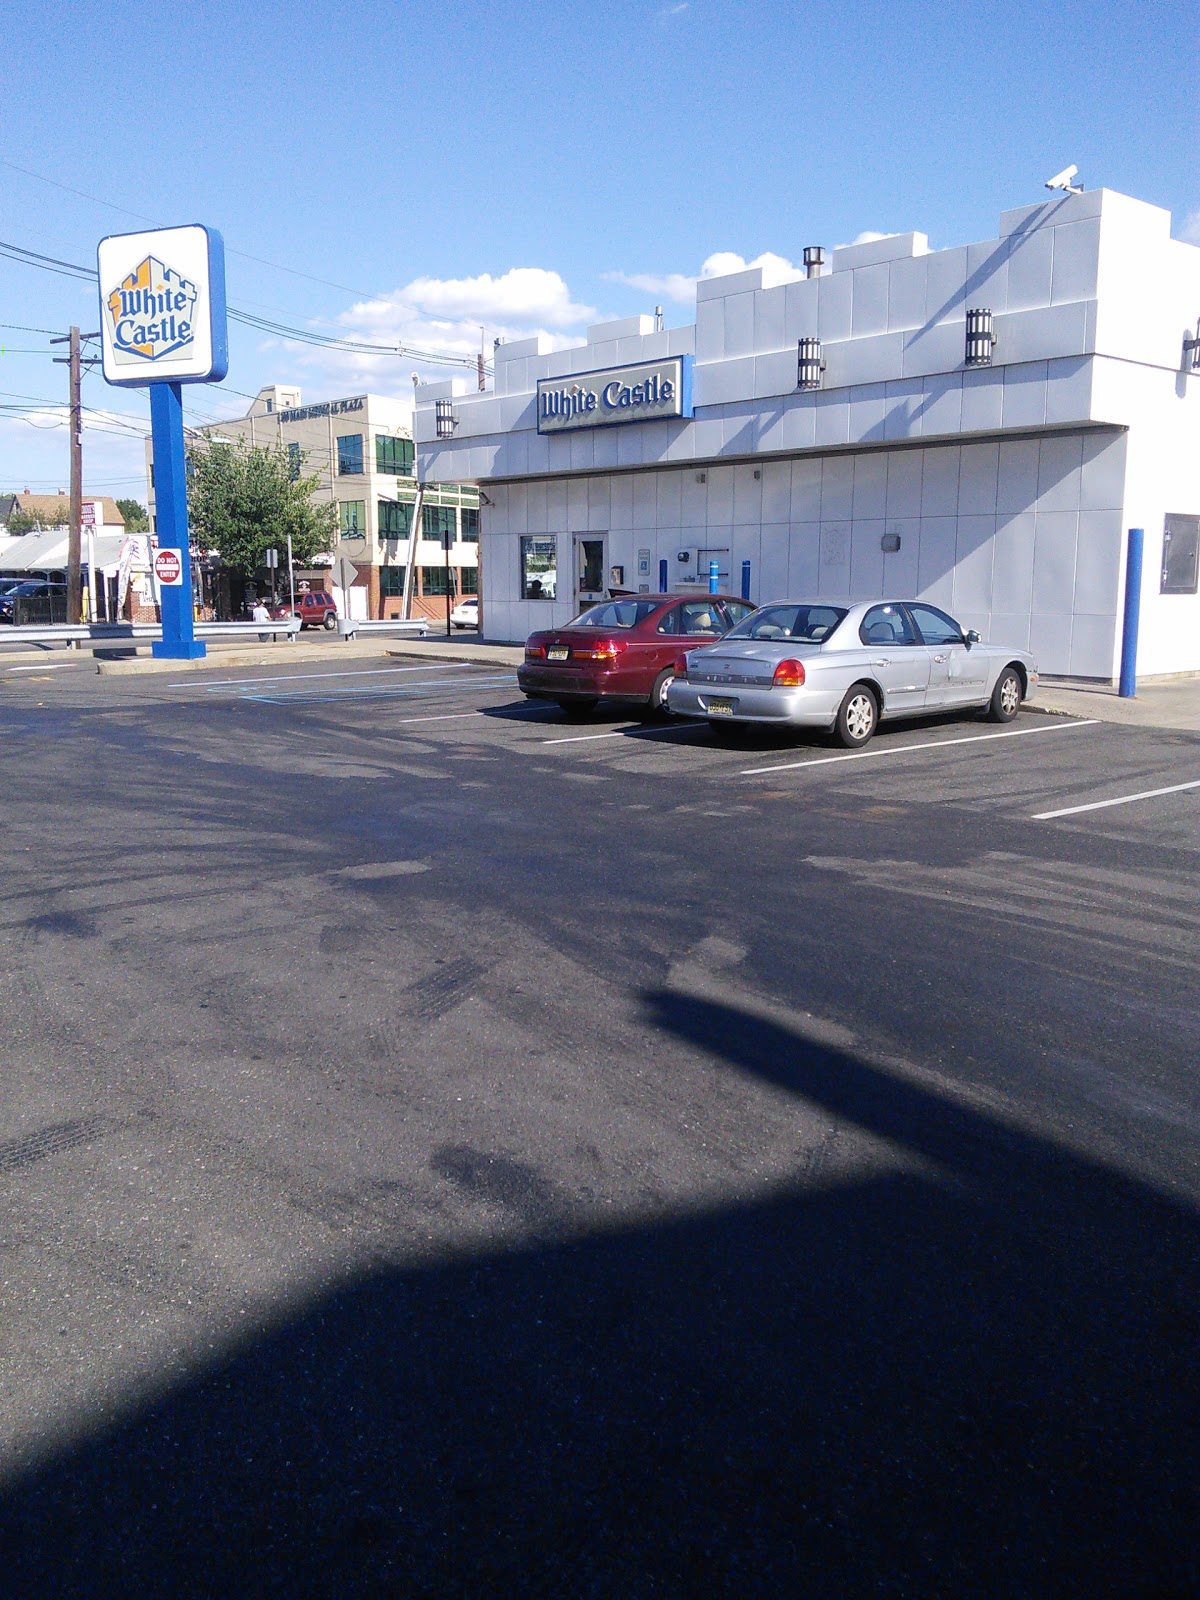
135 632
417 628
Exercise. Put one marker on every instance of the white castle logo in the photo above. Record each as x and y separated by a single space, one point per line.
151 313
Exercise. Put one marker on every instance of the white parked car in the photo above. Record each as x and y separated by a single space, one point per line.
466 613
848 668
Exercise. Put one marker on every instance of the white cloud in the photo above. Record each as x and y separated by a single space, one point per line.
527 296
867 236
1189 228
451 318
681 287
671 285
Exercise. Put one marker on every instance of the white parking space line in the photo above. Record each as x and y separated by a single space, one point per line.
620 733
445 716
298 677
928 744
49 666
1122 800
313 697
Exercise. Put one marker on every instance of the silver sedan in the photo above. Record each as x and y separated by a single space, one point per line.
847 668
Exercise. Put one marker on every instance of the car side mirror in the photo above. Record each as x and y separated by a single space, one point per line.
972 636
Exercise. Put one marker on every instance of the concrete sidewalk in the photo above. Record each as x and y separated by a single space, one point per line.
467 649
1173 705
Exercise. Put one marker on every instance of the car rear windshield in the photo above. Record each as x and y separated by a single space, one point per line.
808 624
616 614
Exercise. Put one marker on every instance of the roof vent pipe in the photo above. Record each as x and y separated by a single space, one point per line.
814 260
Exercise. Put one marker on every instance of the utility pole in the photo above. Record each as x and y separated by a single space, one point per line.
74 553
74 534
479 360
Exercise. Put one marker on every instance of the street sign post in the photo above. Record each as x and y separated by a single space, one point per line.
163 324
447 541
344 574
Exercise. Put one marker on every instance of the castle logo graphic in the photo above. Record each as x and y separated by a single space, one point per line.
151 313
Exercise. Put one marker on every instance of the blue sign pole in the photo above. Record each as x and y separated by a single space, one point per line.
662 577
745 580
178 642
714 577
1133 603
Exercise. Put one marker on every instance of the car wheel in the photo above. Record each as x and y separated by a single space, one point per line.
658 695
857 716
1006 696
331 622
577 708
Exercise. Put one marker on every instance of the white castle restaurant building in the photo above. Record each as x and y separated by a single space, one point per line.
977 427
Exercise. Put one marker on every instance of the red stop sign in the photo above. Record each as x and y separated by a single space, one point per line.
168 568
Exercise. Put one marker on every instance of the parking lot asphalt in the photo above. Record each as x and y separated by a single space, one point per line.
451 1149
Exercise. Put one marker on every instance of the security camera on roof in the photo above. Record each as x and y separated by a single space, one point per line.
1065 180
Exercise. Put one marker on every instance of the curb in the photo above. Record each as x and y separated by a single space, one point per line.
266 656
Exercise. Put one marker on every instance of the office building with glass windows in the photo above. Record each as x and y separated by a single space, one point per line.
361 451
978 427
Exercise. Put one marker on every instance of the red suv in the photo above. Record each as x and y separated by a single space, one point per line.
624 649
314 607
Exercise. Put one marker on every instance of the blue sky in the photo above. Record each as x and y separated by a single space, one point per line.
412 174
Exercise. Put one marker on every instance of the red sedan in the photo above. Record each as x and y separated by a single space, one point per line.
624 649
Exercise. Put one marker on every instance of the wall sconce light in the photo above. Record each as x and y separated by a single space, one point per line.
1191 350
809 365
814 260
980 338
443 411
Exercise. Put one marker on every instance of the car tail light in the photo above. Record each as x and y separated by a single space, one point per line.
535 652
603 650
681 666
789 674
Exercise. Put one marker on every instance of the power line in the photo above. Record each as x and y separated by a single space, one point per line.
281 330
17 327
65 269
278 266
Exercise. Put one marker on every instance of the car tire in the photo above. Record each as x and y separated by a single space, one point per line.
1006 696
658 695
577 708
857 718
331 622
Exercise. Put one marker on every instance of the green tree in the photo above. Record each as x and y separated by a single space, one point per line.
137 518
243 500
57 516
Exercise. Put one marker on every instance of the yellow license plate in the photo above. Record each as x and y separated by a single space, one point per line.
719 708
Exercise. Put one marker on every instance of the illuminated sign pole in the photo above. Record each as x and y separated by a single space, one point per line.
162 305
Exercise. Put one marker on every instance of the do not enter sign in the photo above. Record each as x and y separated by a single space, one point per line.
168 568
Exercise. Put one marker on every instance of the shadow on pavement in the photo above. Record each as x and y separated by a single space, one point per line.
967 1372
